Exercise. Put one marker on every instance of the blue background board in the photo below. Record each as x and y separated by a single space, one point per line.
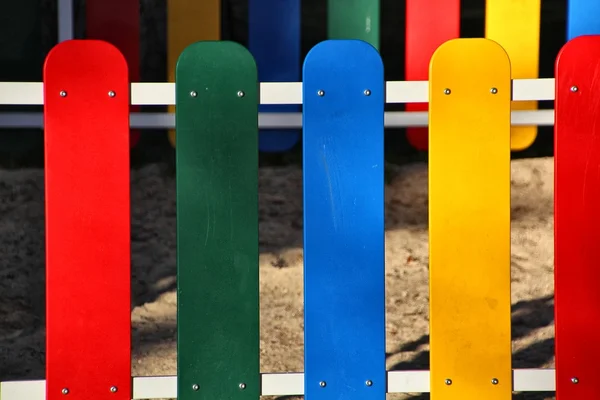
343 188
274 41
582 18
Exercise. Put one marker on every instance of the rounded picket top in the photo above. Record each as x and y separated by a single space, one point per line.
210 55
74 55
471 53
585 48
344 49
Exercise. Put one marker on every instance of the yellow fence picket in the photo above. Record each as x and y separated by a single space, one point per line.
469 221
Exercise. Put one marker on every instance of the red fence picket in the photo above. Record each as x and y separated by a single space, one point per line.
577 218
88 318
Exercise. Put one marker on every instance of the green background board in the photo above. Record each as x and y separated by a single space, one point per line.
217 222
21 60
354 19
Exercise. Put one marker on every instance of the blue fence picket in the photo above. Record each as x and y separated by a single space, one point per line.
343 186
274 41
582 18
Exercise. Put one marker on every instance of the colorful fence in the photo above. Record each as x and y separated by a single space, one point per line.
274 33
87 96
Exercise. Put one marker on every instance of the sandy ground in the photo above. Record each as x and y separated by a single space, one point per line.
154 280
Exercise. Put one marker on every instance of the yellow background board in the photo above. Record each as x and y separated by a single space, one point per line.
515 25
469 221
189 21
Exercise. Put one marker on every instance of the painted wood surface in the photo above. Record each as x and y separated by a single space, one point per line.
87 195
469 221
343 187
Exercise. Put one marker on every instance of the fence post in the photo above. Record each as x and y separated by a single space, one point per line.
88 290
274 40
582 18
217 223
118 22
469 221
577 218
421 42
189 21
515 25
344 276
356 19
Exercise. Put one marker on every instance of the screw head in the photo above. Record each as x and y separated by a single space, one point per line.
111 94
575 380
448 382
494 381
242 386
193 93
63 94
447 91
574 89
321 93
322 384
494 90
195 387
367 92
113 389
65 391
369 383
241 94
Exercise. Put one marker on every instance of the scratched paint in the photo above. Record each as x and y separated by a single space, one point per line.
343 222
217 222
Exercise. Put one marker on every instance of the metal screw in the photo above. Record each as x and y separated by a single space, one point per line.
111 94
242 386
63 94
574 89
193 93
575 380
447 91
65 391
367 92
369 383
195 387
321 93
322 384
113 389
241 94
448 381
494 381
494 90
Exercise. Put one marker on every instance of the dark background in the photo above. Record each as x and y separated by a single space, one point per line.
28 30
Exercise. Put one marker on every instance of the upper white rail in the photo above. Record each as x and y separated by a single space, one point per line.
160 94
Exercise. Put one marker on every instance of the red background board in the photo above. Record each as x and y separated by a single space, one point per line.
87 222
429 23
118 23
577 219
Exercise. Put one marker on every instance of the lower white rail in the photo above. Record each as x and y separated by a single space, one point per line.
393 119
284 384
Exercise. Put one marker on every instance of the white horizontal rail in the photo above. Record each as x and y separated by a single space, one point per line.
157 94
393 119
285 384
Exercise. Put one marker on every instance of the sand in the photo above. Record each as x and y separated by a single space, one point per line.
154 272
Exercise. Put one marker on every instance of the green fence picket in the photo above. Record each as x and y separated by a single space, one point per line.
217 222
354 19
